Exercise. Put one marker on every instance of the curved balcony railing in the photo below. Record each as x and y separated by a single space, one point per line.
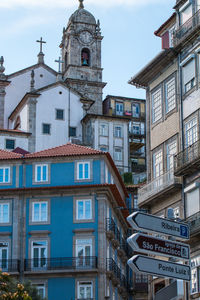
10 265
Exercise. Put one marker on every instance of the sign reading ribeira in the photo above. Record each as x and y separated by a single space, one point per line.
157 246
149 223
159 267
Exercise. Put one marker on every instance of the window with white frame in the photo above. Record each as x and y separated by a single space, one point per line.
191 132
85 290
40 211
4 256
4 174
4 212
84 252
185 13
104 129
158 164
41 173
156 105
83 170
118 154
39 254
119 109
136 110
170 94
84 209
188 75
192 202
118 131
41 290
195 275
171 151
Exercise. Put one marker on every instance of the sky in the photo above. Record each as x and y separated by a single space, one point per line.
127 26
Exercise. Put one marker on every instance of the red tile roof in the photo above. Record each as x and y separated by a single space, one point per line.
65 150
9 155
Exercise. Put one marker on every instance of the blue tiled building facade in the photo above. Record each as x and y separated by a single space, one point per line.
63 223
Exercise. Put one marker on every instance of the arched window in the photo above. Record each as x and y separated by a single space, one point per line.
85 57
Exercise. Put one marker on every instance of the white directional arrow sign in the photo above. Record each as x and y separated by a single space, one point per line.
159 267
148 223
157 246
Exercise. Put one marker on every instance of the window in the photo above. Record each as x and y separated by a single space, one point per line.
104 129
104 148
195 275
84 209
3 256
119 109
177 212
185 14
5 175
4 213
170 94
158 164
83 170
156 106
10 144
72 131
136 110
85 290
171 151
39 254
136 128
59 114
41 173
118 131
46 128
84 252
39 211
188 75
192 202
118 154
41 290
191 132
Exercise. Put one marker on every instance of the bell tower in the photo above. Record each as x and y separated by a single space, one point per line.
81 54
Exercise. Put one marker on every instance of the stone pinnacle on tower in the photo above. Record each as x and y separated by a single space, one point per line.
81 4
2 69
41 54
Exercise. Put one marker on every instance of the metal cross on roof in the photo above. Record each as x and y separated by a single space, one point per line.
60 62
41 42
81 4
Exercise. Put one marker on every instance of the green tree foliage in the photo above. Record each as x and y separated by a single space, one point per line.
10 289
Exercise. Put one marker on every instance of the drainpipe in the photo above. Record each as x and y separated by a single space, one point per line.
182 147
22 222
69 108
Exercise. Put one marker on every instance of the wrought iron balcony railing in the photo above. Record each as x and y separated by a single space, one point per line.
185 160
157 185
61 263
187 28
111 226
10 265
111 266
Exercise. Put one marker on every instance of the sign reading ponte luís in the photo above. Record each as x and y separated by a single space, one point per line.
159 267
151 223
148 244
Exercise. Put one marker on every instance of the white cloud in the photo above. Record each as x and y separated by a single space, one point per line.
71 3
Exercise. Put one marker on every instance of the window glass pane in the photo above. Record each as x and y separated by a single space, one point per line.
72 131
5 213
88 209
10 144
156 105
170 95
38 173
1 175
186 14
88 292
36 211
6 174
43 211
81 292
188 73
158 164
86 171
80 210
171 151
59 114
191 132
44 173
80 171
192 202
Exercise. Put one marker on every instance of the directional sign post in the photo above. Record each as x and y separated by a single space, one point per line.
150 223
157 246
159 267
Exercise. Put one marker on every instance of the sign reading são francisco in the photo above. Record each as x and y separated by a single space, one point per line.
157 246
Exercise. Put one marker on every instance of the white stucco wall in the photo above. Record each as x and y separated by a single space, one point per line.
20 141
47 103
20 85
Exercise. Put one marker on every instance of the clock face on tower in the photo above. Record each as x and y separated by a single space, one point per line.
86 37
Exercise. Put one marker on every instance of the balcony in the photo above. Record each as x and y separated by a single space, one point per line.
137 133
114 273
10 265
84 263
163 185
113 232
188 160
190 29
140 285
